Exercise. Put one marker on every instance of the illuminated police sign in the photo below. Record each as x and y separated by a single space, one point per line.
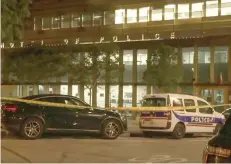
202 119
102 39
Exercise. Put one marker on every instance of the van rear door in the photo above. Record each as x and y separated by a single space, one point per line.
154 119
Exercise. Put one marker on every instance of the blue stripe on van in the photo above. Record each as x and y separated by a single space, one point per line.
197 119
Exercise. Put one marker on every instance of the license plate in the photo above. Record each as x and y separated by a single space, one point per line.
148 122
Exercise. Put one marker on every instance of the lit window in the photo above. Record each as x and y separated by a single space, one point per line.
86 20
197 10
37 23
142 57
221 55
120 16
97 19
211 8
157 14
109 17
65 21
144 14
187 55
56 23
225 7
131 15
76 20
169 12
46 23
183 11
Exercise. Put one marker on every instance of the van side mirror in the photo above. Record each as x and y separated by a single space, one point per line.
210 110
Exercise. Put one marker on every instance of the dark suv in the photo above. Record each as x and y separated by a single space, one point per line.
218 149
32 120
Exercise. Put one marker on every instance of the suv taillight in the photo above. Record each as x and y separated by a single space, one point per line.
10 108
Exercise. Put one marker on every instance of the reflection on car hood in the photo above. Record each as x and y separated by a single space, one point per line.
220 140
102 110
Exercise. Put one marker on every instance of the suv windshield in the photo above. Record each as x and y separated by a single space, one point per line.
226 130
149 102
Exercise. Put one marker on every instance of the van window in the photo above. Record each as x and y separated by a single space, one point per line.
178 103
206 110
189 102
149 102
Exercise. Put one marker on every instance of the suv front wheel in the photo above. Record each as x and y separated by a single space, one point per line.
111 129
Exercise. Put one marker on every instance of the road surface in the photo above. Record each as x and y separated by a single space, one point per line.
79 149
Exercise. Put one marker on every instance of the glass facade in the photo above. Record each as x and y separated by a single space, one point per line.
46 23
98 19
197 10
208 66
86 19
65 21
141 92
209 8
55 22
221 64
131 15
113 95
157 14
183 11
100 96
120 16
225 7
141 63
169 13
212 8
144 14
76 20
128 63
188 64
204 57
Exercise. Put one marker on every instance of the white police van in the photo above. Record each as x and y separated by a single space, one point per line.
182 121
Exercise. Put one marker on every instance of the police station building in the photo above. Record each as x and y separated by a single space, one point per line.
198 29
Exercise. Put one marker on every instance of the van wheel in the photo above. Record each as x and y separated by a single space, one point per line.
147 134
179 131
217 128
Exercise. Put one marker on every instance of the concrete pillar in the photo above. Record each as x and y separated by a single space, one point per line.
195 68
70 83
81 91
229 64
134 80
180 64
121 79
107 95
94 95
149 87
107 82
212 70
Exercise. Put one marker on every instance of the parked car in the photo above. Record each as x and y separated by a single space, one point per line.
32 120
179 122
218 149
226 113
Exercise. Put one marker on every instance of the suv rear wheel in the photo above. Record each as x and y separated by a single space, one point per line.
111 129
32 128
